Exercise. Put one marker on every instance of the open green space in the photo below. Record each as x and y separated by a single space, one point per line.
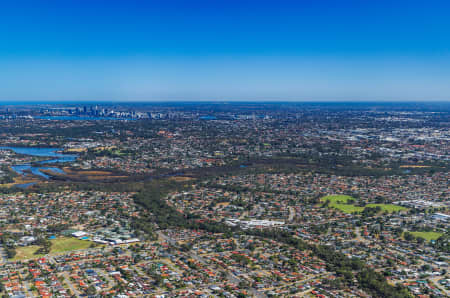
427 235
26 252
59 245
340 202
64 244
387 207
347 208
337 198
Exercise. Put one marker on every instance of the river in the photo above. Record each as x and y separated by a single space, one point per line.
51 153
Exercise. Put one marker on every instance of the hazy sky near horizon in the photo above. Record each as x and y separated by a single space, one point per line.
224 50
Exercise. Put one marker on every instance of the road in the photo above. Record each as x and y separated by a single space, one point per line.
435 280
291 213
230 276
69 283
303 282
358 235
66 278
3 254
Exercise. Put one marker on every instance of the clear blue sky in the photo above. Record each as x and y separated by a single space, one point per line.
224 50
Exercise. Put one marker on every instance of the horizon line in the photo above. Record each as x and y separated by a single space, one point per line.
37 102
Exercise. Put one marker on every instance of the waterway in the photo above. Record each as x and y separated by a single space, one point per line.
53 155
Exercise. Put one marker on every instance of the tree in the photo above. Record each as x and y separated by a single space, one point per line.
408 236
91 290
420 240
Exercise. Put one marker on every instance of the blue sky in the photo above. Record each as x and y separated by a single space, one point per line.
224 50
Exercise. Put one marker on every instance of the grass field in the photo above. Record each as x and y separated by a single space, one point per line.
347 208
67 244
59 245
341 202
26 252
19 180
388 207
337 198
427 235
